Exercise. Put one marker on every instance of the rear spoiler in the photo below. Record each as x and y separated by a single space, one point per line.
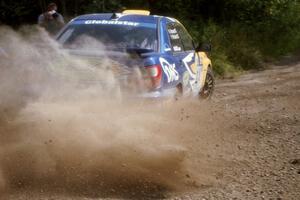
141 52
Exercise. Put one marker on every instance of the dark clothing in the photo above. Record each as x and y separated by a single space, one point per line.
51 21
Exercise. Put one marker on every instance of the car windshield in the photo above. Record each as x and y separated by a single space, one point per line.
110 36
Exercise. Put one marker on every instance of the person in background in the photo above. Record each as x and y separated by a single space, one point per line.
51 20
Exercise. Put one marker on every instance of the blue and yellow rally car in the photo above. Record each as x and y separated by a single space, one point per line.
169 61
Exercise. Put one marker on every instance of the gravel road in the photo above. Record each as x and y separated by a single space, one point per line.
243 144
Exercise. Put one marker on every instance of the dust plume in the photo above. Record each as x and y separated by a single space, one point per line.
64 125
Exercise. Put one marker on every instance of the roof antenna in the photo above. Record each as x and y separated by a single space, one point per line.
114 16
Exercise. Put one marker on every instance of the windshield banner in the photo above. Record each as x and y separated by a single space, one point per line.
114 22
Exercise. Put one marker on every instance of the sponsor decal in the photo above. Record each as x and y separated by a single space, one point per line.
194 71
173 34
191 67
112 22
172 31
177 48
175 37
169 70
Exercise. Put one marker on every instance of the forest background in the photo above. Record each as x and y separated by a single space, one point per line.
244 33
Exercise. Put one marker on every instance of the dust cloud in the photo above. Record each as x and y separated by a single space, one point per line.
64 125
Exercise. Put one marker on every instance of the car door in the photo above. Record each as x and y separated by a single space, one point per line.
187 61
172 47
191 61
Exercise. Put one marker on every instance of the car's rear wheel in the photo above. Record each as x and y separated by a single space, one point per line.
209 85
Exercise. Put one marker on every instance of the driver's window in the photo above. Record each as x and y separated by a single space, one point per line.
187 40
175 39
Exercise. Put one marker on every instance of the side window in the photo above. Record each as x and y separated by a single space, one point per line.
185 37
175 39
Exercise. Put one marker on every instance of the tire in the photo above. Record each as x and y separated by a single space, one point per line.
209 85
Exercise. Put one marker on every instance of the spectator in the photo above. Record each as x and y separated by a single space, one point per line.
51 20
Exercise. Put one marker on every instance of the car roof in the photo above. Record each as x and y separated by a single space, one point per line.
120 17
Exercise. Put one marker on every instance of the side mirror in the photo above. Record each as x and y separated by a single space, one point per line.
205 47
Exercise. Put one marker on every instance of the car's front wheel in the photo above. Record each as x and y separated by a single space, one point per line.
209 85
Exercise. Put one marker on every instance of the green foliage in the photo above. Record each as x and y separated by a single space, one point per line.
15 11
257 31
243 33
101 6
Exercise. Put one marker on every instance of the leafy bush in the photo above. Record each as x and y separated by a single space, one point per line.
243 33
257 31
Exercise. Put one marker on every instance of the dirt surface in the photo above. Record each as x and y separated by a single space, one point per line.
260 138
244 144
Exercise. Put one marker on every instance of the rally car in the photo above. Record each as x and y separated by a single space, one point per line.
160 47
